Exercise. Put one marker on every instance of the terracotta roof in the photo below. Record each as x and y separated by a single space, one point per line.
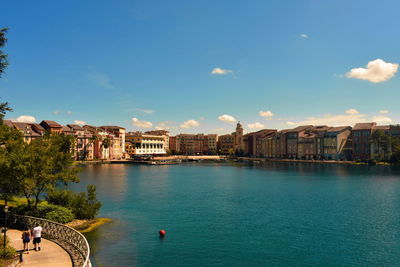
112 127
299 129
51 124
338 129
37 127
364 126
382 127
66 129
8 123
75 127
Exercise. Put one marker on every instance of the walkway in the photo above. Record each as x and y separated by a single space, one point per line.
50 255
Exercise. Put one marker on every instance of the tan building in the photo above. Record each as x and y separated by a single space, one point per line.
335 143
226 144
292 140
192 144
30 131
117 140
163 133
253 142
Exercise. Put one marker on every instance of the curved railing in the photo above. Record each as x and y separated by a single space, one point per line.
62 234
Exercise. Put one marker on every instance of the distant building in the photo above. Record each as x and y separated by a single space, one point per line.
238 139
140 144
361 140
335 143
84 146
117 141
226 144
292 140
192 144
253 142
30 131
51 126
163 133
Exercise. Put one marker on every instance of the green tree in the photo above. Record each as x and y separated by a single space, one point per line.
106 143
381 143
3 56
85 204
49 163
12 162
3 64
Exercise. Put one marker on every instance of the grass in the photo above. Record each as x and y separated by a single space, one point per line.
85 226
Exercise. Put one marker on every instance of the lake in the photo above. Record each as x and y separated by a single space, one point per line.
227 214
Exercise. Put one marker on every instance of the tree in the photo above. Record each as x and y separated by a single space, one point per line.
3 56
12 162
50 162
381 144
86 205
3 64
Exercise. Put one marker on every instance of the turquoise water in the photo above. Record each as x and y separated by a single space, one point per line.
277 214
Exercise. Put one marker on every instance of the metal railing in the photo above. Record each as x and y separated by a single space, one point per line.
65 236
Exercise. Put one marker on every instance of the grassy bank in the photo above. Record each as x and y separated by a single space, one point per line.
85 226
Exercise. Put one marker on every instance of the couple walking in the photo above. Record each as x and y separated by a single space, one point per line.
36 234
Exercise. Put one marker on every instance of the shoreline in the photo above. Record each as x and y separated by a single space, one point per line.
85 226
219 158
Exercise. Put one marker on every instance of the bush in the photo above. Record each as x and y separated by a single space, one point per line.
60 197
86 205
7 253
48 211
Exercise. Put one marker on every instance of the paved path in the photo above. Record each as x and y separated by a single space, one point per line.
50 255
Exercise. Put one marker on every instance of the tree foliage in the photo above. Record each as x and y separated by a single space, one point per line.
3 56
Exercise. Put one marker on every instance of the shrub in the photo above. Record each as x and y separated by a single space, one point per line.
7 253
86 205
48 211
60 197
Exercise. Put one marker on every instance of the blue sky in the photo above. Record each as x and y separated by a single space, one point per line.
148 64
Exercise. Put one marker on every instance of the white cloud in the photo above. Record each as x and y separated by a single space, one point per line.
189 123
227 118
219 129
147 111
25 118
384 111
219 71
166 125
376 71
381 119
79 122
352 111
266 114
101 80
256 125
142 124
350 118
56 112
303 35
69 112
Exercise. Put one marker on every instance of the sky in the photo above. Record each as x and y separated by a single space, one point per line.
201 66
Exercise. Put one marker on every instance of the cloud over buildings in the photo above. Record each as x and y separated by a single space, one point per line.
376 71
25 118
79 122
227 118
141 124
256 125
351 117
266 114
189 123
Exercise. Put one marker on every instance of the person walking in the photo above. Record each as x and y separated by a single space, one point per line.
37 236
26 238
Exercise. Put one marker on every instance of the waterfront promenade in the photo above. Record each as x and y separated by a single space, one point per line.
50 255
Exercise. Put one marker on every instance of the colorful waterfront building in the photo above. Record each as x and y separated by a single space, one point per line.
226 144
361 140
336 143
51 126
84 147
141 144
30 131
117 141
292 136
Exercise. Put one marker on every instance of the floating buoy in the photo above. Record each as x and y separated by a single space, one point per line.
162 233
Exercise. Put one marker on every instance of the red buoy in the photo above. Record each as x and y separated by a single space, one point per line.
162 233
